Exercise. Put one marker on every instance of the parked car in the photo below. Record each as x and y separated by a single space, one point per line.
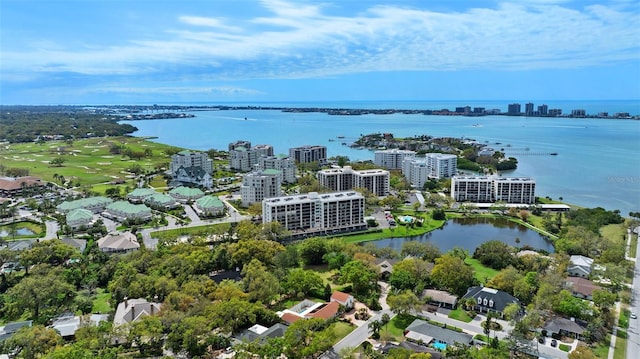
554 343
633 316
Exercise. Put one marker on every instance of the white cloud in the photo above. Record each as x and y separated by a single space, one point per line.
297 41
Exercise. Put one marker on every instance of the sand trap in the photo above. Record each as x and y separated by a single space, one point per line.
103 163
106 156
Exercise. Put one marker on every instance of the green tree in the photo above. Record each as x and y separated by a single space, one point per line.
300 282
313 250
363 277
259 284
582 352
452 274
403 303
505 280
424 250
308 338
146 334
33 342
494 254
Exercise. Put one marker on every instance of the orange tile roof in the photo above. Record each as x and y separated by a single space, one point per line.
290 318
340 296
328 311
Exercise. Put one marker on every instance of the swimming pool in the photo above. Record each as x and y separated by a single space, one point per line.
440 346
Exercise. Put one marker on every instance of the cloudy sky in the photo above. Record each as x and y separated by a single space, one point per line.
166 51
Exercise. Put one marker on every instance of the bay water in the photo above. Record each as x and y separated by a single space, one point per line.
597 162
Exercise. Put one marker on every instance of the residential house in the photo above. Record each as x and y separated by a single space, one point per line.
123 210
580 266
309 309
14 186
344 299
385 267
118 243
186 194
489 300
440 298
427 334
79 217
259 333
161 201
93 204
9 329
132 310
139 194
563 327
67 325
209 206
581 287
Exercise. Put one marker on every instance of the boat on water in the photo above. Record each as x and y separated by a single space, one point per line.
554 153
341 136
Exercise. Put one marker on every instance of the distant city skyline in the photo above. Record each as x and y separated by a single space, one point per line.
141 51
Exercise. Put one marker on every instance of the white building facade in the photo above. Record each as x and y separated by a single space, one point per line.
308 154
392 159
314 213
188 159
258 185
244 158
285 164
483 189
419 170
343 179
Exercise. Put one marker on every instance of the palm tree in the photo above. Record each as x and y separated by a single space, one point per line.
374 328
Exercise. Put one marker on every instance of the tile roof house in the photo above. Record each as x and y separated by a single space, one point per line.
423 332
309 309
119 243
344 299
13 186
132 310
580 266
490 300
581 287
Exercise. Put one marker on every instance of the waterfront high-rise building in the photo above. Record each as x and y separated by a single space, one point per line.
342 179
244 158
543 110
309 154
258 185
419 170
484 189
392 159
528 109
285 164
316 213
514 109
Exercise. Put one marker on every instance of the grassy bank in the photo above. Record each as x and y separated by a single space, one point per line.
37 229
396 232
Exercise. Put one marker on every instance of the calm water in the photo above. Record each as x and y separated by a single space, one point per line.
470 233
597 162
19 232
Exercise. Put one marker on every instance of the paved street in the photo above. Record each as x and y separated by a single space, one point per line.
633 333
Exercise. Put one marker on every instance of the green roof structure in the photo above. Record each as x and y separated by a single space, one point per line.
86 203
209 202
79 215
186 193
271 171
161 199
128 210
141 192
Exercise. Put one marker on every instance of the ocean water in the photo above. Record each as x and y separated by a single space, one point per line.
597 162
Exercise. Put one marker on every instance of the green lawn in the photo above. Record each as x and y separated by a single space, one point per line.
195 231
341 330
396 232
634 245
564 347
482 273
397 325
620 351
87 161
601 350
614 232
461 315
101 302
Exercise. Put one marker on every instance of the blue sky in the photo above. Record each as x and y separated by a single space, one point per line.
165 51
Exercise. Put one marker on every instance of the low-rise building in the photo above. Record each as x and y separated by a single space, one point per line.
132 310
427 334
79 217
139 194
93 204
209 206
440 298
186 194
581 287
68 325
123 211
161 201
344 299
119 243
580 266
14 186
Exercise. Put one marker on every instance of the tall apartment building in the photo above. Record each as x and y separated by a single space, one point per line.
192 167
308 154
285 164
514 190
543 110
343 179
482 189
313 213
528 109
392 159
419 170
472 189
258 185
244 158
513 109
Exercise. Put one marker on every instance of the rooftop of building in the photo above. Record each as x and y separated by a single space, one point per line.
209 202
186 192
79 214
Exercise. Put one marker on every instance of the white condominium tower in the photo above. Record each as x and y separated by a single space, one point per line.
314 213
392 159
419 170
258 185
482 189
343 179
